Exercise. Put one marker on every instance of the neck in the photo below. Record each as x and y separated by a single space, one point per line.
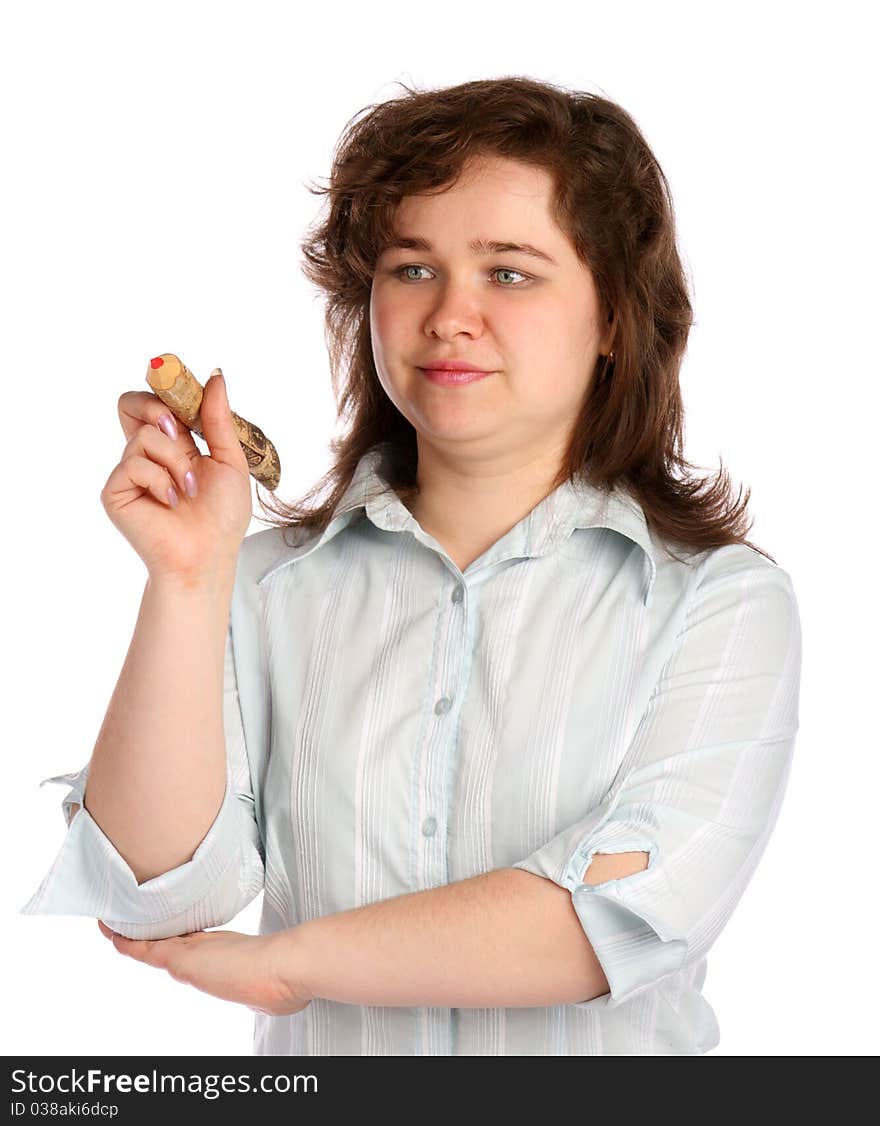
467 507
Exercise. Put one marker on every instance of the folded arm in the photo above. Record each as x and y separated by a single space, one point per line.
503 938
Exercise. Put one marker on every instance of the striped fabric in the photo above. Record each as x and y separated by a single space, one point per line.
394 724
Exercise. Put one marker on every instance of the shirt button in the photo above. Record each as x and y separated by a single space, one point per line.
443 705
429 826
457 594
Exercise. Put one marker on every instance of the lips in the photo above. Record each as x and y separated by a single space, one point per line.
454 377
454 365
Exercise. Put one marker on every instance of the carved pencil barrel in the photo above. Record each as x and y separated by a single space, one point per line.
181 392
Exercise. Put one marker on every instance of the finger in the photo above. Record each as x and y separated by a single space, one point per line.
140 408
115 937
141 949
135 476
218 427
167 452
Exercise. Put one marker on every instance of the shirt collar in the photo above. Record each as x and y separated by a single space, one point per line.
571 505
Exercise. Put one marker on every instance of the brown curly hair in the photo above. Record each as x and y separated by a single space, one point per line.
613 202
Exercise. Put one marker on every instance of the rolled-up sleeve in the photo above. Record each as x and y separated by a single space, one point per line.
700 786
90 877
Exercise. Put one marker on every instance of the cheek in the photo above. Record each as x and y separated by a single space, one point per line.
549 387
377 314
533 326
384 333
387 317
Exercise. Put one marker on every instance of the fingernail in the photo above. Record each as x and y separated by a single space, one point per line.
167 425
172 496
189 483
217 371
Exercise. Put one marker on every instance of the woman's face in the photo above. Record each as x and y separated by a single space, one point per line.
535 324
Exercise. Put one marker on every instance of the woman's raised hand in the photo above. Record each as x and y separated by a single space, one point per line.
200 534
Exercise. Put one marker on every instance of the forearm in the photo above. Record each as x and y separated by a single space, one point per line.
158 770
503 938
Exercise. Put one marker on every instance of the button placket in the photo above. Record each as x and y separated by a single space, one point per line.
431 858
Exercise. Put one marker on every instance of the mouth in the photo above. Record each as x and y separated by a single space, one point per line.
453 378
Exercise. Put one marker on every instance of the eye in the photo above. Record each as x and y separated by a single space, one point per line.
507 270
399 272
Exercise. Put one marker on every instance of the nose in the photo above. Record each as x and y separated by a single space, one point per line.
455 309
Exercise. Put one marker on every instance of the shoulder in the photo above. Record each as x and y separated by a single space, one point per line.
740 584
263 552
260 551
740 563
258 554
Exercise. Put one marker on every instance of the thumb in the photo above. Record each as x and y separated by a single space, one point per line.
218 429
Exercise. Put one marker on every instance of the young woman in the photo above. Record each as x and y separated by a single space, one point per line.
502 724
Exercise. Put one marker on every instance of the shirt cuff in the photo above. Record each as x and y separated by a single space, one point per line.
634 949
89 876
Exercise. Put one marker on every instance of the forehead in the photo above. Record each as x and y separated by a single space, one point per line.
492 181
495 204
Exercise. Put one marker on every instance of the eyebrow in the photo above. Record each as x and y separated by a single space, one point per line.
478 246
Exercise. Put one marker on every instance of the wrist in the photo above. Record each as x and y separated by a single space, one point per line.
205 605
215 584
289 955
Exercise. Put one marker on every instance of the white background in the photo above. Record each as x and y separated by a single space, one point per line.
156 158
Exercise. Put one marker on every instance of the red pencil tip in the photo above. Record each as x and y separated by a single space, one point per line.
156 362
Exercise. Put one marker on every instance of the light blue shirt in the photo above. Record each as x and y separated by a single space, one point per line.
394 724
